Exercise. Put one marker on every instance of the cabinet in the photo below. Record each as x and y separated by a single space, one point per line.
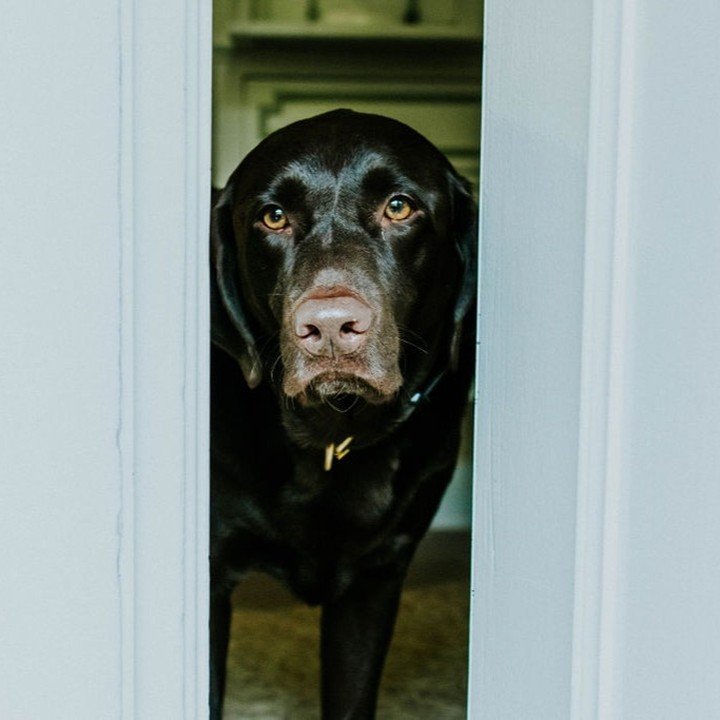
273 66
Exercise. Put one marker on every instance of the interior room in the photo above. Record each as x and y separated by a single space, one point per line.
275 62
596 496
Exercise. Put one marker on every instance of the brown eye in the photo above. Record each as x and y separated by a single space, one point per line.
274 218
399 208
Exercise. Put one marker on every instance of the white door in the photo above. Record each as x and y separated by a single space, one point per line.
104 193
597 540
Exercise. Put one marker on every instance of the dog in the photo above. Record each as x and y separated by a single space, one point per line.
343 253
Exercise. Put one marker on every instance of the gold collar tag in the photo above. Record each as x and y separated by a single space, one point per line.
336 452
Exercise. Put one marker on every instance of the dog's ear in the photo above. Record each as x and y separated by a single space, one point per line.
464 227
230 327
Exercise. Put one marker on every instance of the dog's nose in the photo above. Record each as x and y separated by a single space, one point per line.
327 327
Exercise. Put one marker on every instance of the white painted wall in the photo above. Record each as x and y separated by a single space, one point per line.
104 188
597 544
59 382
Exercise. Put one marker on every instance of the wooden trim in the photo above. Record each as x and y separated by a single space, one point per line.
163 428
271 31
603 361
533 210
125 436
197 356
268 98
482 551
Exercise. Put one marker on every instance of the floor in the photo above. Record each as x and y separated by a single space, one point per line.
273 666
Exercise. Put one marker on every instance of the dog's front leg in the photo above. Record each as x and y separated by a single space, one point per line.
355 636
220 616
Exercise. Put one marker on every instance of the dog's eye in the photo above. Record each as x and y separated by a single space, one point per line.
274 217
399 208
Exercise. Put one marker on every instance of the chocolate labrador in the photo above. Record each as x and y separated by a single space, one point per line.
344 259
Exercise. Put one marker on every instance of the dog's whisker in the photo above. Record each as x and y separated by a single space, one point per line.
404 330
274 366
417 347
267 347
347 409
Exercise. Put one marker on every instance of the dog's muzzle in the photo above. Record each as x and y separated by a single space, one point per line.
335 343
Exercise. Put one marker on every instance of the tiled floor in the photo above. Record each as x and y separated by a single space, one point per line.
273 666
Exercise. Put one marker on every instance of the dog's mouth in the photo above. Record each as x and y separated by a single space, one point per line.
342 402
342 391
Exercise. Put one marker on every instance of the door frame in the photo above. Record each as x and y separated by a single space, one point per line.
597 482
165 89
554 166
563 121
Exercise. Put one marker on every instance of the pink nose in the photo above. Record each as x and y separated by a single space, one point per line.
327 327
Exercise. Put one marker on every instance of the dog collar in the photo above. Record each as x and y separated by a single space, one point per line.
336 452
421 395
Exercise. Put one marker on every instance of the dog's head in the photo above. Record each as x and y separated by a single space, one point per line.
348 241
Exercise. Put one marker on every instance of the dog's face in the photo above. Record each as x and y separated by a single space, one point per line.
340 236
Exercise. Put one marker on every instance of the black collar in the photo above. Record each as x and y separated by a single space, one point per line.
338 452
422 396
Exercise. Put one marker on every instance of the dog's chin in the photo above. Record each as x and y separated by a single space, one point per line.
342 392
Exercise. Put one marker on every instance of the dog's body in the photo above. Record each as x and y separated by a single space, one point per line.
343 250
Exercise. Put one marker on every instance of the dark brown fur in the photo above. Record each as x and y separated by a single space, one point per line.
343 538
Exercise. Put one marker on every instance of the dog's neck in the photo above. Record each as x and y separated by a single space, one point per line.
336 430
319 426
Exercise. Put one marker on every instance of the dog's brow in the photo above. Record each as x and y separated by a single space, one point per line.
287 188
383 179
306 167
305 175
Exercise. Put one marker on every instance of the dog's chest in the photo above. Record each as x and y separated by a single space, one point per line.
337 513
315 528
331 531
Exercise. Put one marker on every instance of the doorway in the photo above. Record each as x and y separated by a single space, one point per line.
274 63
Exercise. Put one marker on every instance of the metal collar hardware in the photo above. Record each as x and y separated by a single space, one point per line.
336 452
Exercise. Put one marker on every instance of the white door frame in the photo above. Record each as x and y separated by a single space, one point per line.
104 195
597 488
165 84
547 287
